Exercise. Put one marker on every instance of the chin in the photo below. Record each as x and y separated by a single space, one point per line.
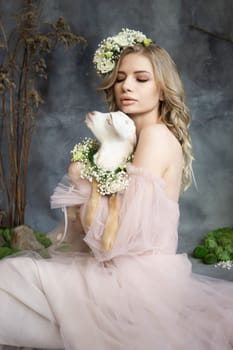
129 110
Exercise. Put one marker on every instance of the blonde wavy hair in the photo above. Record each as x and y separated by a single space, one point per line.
173 110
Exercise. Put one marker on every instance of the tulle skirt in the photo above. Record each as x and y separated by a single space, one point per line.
148 302
140 295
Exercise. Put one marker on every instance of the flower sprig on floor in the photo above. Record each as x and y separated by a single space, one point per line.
109 49
108 182
225 264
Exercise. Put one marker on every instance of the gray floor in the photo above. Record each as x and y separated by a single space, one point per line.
187 242
211 270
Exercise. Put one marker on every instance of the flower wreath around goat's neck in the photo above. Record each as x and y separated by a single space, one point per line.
108 181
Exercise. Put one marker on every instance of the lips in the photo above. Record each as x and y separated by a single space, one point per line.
127 100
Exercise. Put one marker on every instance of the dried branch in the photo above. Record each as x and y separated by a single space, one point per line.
24 62
3 45
215 35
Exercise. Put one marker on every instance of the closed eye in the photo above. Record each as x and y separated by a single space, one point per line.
118 80
142 80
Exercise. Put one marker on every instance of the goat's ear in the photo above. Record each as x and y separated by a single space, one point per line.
118 124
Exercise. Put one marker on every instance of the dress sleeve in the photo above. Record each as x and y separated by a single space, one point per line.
68 195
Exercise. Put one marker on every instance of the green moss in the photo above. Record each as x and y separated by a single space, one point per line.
210 259
210 243
225 256
43 239
200 251
5 233
217 246
218 251
6 249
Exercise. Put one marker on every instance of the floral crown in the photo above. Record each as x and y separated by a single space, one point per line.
109 50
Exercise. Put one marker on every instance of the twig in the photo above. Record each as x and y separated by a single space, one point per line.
4 35
216 35
23 64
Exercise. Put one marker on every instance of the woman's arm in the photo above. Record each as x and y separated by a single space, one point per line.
74 171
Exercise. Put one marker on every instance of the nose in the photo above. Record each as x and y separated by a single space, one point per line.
127 84
92 113
90 116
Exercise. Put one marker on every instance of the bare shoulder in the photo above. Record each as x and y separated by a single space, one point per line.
158 137
159 151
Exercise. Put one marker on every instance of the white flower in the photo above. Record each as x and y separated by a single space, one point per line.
109 49
105 66
140 37
225 264
108 182
122 40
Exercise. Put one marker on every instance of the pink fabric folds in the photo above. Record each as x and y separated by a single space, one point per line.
148 219
142 295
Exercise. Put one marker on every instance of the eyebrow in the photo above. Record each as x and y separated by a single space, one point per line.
137 71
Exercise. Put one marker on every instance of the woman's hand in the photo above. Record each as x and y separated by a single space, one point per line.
74 171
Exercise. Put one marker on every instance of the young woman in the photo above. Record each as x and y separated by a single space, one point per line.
140 294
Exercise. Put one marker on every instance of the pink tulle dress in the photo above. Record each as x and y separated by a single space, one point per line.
141 295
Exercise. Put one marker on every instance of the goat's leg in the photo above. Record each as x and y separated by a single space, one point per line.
92 205
74 172
111 226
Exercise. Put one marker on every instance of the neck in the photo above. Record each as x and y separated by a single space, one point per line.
144 120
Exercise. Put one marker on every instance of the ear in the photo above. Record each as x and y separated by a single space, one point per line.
161 96
120 125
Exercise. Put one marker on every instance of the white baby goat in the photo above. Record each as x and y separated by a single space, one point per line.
116 133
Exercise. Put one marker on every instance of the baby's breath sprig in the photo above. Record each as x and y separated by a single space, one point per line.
108 182
109 49
81 151
225 264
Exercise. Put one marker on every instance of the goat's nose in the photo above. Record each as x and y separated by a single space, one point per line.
91 114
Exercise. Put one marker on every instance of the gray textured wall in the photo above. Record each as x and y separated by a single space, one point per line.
205 64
